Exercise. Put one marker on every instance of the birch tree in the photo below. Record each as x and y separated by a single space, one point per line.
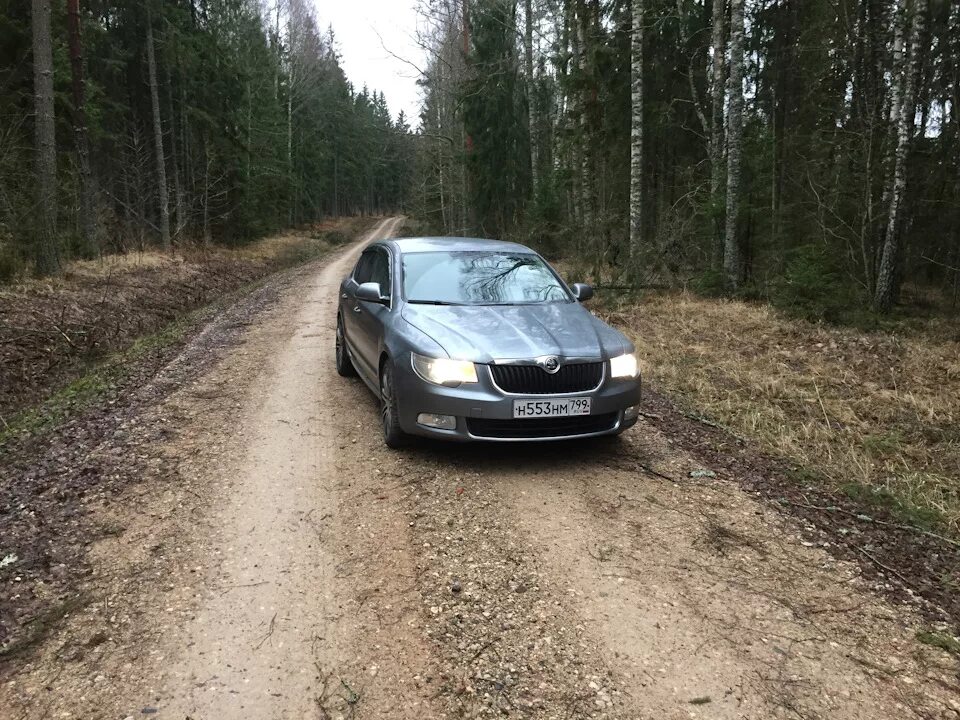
732 267
717 92
784 170
903 117
46 255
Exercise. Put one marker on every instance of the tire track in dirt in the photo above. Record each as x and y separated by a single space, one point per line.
567 580
273 636
564 581
235 590
707 604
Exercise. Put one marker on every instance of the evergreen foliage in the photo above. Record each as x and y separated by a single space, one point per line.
849 141
260 129
813 285
494 113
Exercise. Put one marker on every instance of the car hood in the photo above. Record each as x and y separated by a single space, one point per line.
483 333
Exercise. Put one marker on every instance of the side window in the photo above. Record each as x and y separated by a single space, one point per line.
364 270
381 271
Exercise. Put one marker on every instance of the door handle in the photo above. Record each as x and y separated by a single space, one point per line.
356 308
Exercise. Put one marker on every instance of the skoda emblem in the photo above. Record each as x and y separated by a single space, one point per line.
551 363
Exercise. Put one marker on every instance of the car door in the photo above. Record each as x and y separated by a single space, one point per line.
350 309
371 317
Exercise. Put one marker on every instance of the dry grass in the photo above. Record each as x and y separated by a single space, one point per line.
273 250
52 329
877 415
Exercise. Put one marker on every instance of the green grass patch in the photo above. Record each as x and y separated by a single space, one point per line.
303 252
97 383
883 444
59 406
925 518
807 476
939 640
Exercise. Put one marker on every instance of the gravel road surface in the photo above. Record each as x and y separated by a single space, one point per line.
279 562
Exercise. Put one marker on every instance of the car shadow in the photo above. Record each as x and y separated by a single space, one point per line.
499 456
493 456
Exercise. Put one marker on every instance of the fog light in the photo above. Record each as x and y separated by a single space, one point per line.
440 422
632 412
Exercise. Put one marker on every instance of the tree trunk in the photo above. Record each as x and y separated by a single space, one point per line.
636 136
717 96
575 116
732 266
528 68
894 103
466 139
207 234
290 174
903 87
178 193
88 223
586 150
158 141
46 255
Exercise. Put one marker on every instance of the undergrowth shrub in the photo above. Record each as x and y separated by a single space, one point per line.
11 264
710 283
814 286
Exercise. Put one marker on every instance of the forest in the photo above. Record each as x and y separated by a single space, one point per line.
805 152
162 123
801 151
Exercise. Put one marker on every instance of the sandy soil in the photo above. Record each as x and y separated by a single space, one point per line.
296 568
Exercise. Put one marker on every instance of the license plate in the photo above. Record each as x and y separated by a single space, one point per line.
525 409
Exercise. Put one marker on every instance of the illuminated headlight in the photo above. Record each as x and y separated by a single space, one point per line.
444 371
624 366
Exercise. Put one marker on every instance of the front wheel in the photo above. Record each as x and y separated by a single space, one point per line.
344 364
393 434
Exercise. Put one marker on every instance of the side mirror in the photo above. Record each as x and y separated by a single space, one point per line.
370 292
582 292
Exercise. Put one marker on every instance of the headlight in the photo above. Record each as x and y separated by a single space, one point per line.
624 366
444 371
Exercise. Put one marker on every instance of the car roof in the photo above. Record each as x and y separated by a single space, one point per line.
453 244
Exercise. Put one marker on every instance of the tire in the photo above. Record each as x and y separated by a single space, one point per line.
393 435
344 365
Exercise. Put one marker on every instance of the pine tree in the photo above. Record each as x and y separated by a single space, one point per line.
162 198
494 118
46 255
528 76
636 134
732 266
88 205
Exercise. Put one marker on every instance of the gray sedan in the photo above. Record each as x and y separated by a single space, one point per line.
465 339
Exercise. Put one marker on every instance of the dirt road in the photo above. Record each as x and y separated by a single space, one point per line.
289 566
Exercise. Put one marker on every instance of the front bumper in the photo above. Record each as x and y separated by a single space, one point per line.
481 409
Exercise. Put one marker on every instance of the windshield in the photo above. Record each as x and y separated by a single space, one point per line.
480 278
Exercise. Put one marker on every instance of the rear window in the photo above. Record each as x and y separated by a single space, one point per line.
480 278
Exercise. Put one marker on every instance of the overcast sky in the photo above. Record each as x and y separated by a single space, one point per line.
356 24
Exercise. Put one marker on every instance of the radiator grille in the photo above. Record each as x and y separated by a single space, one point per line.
541 427
534 380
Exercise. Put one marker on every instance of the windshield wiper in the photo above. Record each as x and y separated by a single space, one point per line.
431 302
